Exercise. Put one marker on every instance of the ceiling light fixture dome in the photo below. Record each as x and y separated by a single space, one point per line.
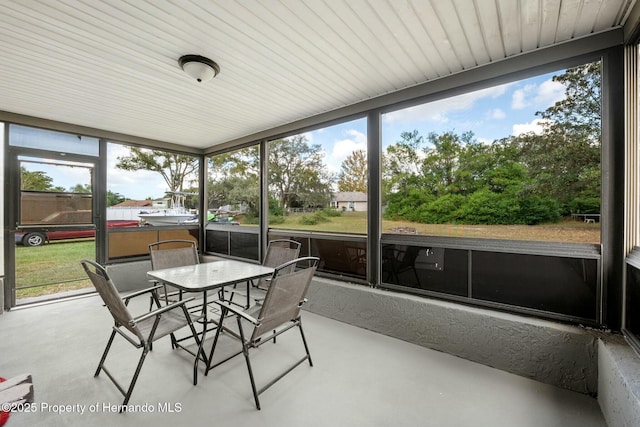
200 68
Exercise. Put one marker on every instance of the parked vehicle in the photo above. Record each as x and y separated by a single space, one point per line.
40 237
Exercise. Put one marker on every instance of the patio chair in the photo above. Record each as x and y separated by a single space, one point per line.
140 331
279 312
279 251
169 254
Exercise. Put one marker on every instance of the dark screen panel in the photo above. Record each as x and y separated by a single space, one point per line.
217 241
633 300
426 267
341 257
555 284
244 245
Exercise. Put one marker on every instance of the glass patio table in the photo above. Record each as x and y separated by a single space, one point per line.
206 277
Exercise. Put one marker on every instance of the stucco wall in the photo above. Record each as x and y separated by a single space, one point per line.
549 352
618 383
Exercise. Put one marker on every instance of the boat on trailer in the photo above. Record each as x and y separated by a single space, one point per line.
176 214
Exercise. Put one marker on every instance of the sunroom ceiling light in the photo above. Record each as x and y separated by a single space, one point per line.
200 68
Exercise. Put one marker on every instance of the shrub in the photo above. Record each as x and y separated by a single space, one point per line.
487 207
308 220
332 212
407 205
442 210
274 207
584 204
321 216
276 219
536 209
251 219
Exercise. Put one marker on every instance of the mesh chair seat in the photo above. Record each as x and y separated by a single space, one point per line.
172 321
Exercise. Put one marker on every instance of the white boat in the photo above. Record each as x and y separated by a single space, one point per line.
175 214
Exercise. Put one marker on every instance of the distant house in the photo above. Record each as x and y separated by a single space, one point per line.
350 200
134 204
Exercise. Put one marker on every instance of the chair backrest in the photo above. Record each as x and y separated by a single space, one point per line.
286 293
110 296
281 251
173 253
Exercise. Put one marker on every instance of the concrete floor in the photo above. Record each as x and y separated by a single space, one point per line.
359 378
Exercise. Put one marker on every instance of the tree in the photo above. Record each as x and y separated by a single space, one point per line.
37 181
234 180
81 188
402 163
353 172
114 198
461 181
565 158
174 168
440 167
297 173
579 112
297 176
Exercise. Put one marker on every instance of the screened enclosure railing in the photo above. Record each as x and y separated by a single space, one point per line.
341 255
233 240
554 280
131 242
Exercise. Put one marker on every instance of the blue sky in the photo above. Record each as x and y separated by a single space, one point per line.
491 113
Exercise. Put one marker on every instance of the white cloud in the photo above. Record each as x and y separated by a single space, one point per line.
535 126
521 97
437 111
136 185
550 92
541 96
496 114
355 140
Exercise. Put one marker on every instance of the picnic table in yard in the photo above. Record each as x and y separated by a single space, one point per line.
593 218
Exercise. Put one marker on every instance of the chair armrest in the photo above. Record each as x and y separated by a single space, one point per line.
162 309
237 311
140 292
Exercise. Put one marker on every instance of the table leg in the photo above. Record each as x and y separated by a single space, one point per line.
205 322
248 300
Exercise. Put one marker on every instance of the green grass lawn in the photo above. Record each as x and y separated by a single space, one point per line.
51 263
348 222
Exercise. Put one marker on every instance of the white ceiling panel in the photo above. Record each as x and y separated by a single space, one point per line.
113 64
549 15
